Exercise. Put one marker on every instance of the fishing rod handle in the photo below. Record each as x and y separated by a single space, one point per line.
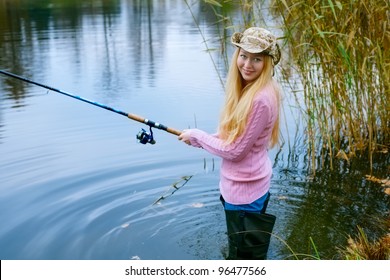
154 124
174 131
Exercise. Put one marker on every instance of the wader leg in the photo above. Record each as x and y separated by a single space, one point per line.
249 234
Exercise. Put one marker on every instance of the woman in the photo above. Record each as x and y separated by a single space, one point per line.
249 125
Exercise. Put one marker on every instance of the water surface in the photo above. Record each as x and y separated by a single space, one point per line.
74 182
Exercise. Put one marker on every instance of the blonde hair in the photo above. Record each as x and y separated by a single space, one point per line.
239 99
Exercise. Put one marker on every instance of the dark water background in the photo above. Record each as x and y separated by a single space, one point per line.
74 182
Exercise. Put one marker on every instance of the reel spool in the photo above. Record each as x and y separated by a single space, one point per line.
144 137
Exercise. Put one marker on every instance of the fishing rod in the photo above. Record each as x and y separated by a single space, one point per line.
143 136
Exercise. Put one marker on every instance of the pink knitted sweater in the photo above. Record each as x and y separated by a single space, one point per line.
246 168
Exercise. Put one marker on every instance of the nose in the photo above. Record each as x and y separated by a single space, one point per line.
248 63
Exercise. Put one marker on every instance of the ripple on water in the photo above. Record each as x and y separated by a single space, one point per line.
111 213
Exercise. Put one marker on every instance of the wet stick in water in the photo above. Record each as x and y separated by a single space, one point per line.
174 188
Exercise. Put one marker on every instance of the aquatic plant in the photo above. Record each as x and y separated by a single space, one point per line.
341 50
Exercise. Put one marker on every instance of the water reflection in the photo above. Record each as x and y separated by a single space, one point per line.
330 206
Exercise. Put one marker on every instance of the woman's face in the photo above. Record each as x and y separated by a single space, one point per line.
250 65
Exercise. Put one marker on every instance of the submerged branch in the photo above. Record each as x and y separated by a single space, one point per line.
174 188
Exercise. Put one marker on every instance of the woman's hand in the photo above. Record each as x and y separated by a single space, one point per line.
185 136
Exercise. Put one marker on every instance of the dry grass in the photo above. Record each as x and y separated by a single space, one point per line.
360 248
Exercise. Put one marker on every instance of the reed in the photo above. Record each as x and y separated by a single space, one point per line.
341 50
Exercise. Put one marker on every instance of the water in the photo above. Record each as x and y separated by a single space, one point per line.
74 182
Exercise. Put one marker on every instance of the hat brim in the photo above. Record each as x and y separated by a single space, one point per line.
272 50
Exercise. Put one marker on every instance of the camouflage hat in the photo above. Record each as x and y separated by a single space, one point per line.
257 40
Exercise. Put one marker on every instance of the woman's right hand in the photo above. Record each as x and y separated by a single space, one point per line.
185 136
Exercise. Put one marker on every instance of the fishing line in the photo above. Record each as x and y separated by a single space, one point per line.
143 136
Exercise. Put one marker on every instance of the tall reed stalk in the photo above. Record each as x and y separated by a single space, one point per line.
342 52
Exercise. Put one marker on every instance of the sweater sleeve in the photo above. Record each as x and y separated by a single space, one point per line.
257 122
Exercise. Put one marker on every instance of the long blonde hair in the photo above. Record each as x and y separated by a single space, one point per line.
239 99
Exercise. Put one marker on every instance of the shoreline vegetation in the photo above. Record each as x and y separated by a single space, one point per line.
340 51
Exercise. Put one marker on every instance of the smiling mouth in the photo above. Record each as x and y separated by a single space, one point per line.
247 72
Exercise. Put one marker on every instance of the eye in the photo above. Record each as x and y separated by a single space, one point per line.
258 59
243 56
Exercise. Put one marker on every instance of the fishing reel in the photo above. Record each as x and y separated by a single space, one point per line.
144 137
